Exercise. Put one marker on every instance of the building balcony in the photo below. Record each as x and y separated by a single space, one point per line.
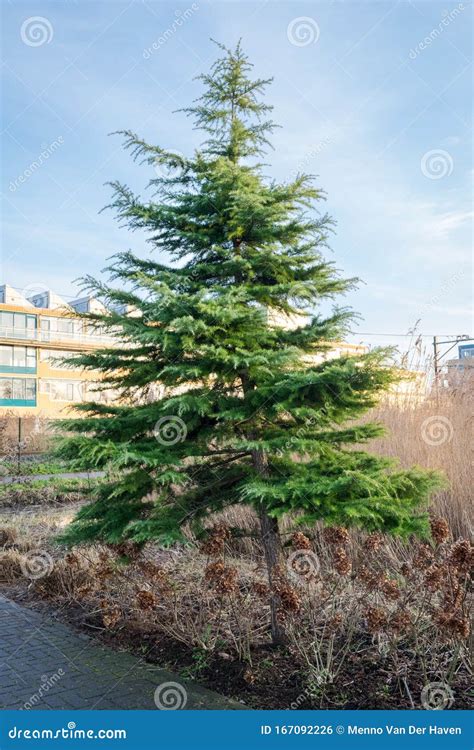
56 337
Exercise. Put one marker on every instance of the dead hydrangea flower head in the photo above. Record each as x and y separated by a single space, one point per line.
434 577
111 615
376 619
300 541
389 588
336 535
400 621
373 542
342 562
439 530
368 577
461 556
289 598
260 589
145 599
423 557
213 546
222 578
455 624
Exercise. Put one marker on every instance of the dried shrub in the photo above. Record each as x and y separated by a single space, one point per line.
7 538
10 566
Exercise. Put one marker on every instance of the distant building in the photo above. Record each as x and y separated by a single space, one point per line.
35 332
336 349
462 367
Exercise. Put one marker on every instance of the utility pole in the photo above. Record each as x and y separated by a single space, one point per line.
435 357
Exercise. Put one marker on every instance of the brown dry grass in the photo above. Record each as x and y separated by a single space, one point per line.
436 433
399 607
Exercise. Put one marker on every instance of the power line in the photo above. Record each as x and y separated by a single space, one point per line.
399 335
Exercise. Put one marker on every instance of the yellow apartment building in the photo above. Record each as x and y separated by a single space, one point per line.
34 332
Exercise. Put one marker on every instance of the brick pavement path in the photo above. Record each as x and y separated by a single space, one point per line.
46 665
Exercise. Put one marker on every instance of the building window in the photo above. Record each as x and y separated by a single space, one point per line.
17 358
17 392
53 358
466 352
62 390
59 328
17 325
6 356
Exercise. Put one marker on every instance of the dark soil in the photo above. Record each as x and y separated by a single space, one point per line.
272 679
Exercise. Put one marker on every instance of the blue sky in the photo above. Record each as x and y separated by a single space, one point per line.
373 97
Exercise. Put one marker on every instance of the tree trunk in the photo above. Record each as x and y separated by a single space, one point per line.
273 552
273 557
